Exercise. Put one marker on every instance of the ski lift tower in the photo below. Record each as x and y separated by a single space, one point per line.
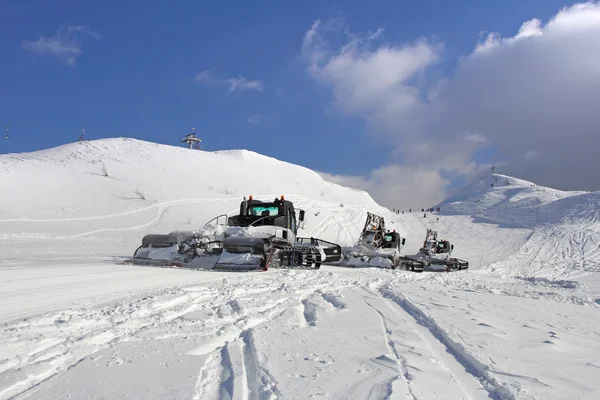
192 140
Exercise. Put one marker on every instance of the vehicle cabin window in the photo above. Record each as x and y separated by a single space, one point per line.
259 210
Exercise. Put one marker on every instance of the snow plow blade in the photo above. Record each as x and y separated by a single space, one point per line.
420 265
243 254
379 258
153 263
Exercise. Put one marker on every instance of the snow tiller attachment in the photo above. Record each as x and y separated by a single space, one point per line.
262 235
376 247
435 255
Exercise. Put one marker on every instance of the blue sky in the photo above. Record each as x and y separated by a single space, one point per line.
135 75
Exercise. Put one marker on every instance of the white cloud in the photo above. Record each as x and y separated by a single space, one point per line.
65 45
238 83
203 77
380 83
254 119
373 83
262 119
388 186
241 83
534 96
475 138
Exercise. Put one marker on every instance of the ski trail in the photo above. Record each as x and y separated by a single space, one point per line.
121 214
162 204
496 389
153 221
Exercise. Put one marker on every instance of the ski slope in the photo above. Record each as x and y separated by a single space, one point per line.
564 239
521 323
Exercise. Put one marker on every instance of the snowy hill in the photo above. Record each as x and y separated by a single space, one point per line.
123 188
564 226
506 200
92 202
110 193
124 173
74 323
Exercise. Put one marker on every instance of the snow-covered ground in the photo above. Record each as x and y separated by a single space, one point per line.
522 323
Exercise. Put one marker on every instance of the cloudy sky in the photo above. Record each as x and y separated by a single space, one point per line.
408 101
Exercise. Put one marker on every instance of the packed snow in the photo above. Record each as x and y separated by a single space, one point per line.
521 323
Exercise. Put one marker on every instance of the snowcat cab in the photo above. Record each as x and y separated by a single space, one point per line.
436 253
392 240
443 246
262 235
376 246
279 212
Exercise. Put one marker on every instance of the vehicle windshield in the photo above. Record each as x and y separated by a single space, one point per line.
389 238
264 211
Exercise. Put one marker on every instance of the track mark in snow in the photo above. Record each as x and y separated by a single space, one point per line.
525 377
241 371
250 365
310 313
258 381
334 301
398 362
496 389
228 385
